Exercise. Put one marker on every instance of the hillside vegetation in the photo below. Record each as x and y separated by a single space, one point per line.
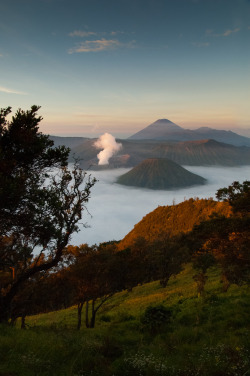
175 219
205 336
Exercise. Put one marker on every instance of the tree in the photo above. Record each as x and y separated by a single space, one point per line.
226 240
168 254
41 202
238 196
137 263
95 274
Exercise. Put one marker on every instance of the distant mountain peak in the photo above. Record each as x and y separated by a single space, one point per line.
157 130
164 129
163 121
166 122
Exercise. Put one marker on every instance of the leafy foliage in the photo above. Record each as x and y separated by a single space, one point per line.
238 195
41 202
226 240
155 317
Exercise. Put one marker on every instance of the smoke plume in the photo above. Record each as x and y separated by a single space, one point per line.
109 145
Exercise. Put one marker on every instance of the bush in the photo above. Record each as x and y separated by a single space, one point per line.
105 318
155 318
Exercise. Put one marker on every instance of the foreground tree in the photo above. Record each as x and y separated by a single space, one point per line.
95 274
41 202
168 254
238 196
225 241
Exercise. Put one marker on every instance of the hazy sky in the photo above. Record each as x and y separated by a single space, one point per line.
116 66
115 209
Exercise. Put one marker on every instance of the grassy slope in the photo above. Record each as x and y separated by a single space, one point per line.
207 336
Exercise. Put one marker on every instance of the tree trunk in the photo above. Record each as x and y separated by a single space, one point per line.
92 321
79 315
23 326
5 310
6 301
87 314
13 321
164 282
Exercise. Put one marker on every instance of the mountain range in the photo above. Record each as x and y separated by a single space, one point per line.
189 153
164 139
164 129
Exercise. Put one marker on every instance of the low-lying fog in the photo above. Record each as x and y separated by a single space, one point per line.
115 209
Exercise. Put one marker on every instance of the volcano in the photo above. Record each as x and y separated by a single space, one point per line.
166 130
159 173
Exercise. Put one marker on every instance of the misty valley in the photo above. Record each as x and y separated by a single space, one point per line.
115 209
161 164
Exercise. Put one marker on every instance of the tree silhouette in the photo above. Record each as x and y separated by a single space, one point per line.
41 202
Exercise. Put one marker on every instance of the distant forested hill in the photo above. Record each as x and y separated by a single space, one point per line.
190 153
175 219
204 153
69 142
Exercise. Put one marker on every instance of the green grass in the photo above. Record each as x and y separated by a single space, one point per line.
206 336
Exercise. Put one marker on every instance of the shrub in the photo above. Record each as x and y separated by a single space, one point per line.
105 318
155 318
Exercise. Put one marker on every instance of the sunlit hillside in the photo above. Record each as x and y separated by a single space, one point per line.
175 219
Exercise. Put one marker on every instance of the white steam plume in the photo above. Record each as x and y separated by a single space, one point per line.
109 145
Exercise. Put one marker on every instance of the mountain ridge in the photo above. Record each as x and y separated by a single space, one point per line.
164 129
186 153
173 219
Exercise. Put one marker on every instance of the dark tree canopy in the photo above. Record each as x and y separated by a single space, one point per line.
226 240
25 154
238 195
41 202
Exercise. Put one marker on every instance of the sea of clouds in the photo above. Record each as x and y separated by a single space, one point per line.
115 209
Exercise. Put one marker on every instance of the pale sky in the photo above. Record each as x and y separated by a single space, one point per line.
119 65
